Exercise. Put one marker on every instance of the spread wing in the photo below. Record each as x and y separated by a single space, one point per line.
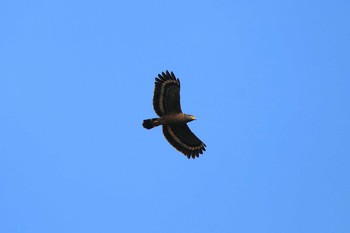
166 97
181 137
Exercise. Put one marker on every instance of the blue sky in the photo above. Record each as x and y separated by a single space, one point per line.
267 80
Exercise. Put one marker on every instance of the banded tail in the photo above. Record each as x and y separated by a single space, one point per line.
150 123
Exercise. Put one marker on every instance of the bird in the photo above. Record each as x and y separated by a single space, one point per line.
166 104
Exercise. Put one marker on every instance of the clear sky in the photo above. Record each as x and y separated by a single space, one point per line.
268 81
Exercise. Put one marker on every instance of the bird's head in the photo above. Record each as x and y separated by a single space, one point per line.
190 117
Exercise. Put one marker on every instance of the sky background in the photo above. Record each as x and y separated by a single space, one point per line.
268 81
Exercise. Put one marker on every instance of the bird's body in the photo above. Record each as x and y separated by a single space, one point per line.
176 118
170 119
166 103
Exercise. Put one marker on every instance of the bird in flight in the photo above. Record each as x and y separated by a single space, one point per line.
166 103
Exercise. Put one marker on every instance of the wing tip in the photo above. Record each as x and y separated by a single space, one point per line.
193 153
165 76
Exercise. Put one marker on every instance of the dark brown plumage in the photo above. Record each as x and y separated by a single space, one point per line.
166 103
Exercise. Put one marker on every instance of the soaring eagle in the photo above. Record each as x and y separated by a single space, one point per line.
166 103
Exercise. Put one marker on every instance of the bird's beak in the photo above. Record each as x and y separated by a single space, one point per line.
194 118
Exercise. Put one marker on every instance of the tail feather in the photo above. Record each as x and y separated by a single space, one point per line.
150 123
